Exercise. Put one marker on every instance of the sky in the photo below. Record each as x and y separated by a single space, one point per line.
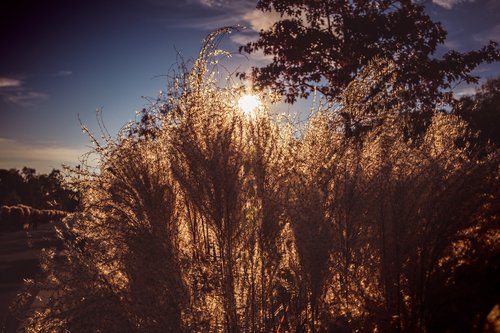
62 60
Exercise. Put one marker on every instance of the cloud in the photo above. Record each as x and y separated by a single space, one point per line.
213 14
15 154
242 39
452 44
211 3
25 98
256 58
492 34
236 12
14 91
62 73
464 91
6 82
261 21
449 4
189 4
483 70
217 3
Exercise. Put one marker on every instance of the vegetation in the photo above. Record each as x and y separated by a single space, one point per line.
482 113
28 199
323 45
40 191
13 218
200 218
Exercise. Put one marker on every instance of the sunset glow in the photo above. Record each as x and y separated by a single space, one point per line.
249 104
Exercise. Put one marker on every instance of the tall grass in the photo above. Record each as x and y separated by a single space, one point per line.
201 219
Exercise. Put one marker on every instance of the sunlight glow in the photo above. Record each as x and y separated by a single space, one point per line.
249 104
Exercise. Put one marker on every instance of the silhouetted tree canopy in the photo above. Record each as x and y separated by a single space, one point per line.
324 45
42 191
482 111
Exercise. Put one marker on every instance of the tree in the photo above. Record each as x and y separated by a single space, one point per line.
11 187
40 191
324 44
482 111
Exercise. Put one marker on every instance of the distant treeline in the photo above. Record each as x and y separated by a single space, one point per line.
14 218
40 191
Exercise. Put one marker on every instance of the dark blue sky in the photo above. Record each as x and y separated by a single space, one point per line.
60 59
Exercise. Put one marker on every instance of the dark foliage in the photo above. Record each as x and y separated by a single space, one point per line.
325 44
482 112
41 191
13 218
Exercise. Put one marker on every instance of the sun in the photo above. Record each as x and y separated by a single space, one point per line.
249 104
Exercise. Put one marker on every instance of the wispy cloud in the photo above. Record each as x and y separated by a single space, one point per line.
452 44
221 13
14 91
62 73
464 91
492 34
256 58
449 4
242 38
24 98
211 3
14 154
241 13
213 14
6 82
219 3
